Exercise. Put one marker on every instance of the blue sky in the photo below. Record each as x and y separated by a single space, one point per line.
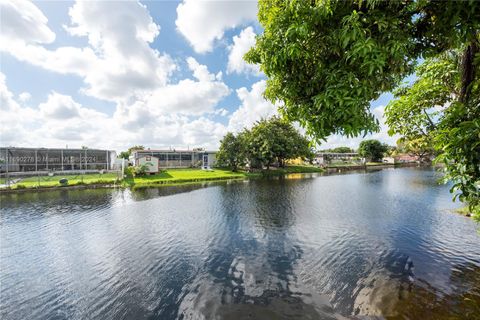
116 74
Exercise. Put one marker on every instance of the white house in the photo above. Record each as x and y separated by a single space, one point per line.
150 162
177 158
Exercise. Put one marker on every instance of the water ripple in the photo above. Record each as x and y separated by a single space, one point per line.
382 244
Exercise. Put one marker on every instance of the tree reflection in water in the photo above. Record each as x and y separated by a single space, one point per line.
402 298
247 283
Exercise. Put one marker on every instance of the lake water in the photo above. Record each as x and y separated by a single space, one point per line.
383 243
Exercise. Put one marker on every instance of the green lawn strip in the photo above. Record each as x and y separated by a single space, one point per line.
172 182
53 181
164 178
465 211
376 164
290 169
178 176
345 164
183 176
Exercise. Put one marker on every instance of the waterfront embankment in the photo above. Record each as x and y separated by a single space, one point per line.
164 178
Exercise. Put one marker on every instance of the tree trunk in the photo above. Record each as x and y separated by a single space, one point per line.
468 70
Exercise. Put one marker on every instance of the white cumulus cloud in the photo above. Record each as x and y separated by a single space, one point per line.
117 64
60 121
191 97
241 44
203 22
23 21
24 97
253 107
60 107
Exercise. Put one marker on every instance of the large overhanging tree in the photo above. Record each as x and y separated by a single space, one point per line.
326 60
429 113
418 109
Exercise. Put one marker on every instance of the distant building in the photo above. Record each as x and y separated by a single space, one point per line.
402 158
324 158
389 160
406 158
176 158
30 160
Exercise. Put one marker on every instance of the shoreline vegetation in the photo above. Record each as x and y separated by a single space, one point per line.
469 213
171 177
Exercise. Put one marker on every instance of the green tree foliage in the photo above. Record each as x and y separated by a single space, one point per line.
231 152
269 142
342 150
458 141
126 154
461 157
131 149
276 140
391 151
327 60
372 149
417 109
140 170
421 147
431 118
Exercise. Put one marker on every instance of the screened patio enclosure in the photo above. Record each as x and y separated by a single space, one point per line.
176 158
48 160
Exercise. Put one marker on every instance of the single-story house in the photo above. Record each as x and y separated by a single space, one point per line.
177 158
406 158
150 163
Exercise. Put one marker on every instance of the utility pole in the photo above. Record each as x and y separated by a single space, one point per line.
7 180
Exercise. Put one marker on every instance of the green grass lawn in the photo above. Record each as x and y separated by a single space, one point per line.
177 176
377 163
47 181
345 164
167 177
174 176
465 211
291 169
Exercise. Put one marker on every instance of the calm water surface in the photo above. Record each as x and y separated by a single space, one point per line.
361 245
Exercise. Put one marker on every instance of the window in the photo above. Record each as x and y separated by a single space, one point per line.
174 156
186 157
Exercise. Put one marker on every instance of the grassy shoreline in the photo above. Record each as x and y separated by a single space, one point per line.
466 212
165 178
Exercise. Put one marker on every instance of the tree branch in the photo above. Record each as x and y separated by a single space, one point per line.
432 125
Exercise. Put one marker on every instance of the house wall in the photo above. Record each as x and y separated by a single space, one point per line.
150 162
176 159
390 160
212 159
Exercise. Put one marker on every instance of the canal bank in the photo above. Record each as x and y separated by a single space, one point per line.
370 166
169 177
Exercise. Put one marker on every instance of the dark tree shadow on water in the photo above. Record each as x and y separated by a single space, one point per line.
394 298
252 274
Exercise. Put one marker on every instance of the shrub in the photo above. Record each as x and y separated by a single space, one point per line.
129 172
140 170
